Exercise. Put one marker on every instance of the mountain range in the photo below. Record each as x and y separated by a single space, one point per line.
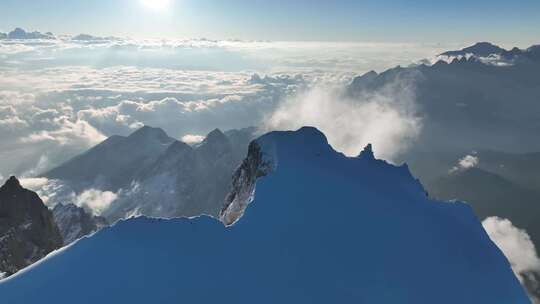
156 175
310 226
469 103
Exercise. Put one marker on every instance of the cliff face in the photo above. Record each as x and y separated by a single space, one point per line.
28 231
74 222
243 184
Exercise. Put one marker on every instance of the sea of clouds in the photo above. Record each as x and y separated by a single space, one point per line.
58 97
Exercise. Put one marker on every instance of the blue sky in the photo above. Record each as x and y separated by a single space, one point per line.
513 22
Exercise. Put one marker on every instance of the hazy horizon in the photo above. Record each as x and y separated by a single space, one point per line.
300 20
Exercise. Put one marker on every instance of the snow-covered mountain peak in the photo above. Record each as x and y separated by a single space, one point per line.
308 146
307 140
214 137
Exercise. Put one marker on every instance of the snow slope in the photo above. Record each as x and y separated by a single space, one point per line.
323 228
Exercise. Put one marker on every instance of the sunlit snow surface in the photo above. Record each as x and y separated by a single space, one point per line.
323 229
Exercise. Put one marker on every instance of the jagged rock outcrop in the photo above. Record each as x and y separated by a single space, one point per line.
243 184
74 222
28 231
367 153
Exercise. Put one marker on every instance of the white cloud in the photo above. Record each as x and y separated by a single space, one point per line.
53 191
387 118
34 183
205 54
68 131
516 246
12 122
465 163
192 139
95 200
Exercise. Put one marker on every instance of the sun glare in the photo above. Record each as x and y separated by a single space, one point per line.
157 5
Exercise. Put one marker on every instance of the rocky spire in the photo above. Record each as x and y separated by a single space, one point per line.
367 153
12 184
28 231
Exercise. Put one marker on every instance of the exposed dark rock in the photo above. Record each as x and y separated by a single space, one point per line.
243 184
28 231
74 222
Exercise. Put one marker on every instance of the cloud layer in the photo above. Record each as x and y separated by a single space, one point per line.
61 95
465 163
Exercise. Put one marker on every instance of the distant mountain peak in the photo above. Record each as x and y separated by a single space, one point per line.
532 48
369 75
214 138
361 82
484 45
215 134
216 143
150 132
178 146
12 184
482 49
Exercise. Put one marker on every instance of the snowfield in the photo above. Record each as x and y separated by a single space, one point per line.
323 228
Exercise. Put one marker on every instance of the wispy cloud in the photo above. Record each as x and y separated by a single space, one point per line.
386 118
518 248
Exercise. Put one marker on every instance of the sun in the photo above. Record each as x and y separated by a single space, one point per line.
157 5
